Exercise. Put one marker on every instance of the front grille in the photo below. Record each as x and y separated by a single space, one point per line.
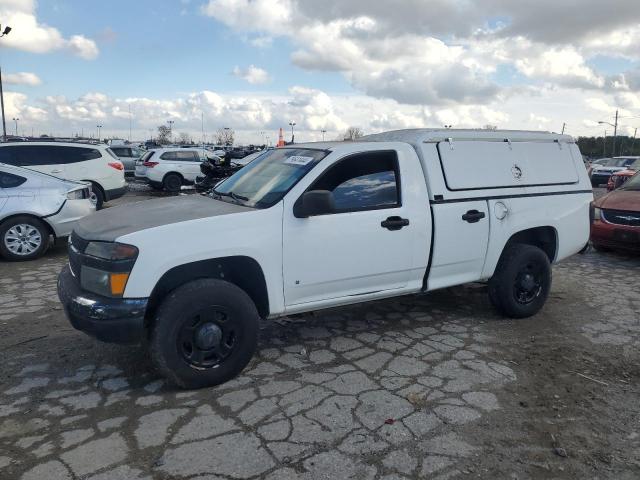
622 217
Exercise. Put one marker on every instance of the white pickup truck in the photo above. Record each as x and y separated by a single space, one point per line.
314 226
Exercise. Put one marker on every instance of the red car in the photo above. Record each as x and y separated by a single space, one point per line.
615 218
617 179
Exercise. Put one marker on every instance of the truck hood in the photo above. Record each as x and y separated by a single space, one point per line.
109 224
620 200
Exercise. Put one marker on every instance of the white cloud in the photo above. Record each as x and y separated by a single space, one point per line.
21 78
252 74
444 52
30 35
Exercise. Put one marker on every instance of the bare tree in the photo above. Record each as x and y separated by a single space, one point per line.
224 136
352 133
164 134
185 139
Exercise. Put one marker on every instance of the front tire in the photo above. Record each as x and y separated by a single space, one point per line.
205 333
23 238
521 283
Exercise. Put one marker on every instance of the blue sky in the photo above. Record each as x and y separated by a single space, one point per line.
255 65
157 49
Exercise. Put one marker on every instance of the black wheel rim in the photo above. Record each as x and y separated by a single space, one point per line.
528 284
208 338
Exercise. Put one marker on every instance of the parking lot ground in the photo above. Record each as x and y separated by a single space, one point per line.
429 386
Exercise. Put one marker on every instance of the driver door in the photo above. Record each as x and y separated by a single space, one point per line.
348 252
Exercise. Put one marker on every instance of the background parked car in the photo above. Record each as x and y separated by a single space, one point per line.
616 218
94 163
619 178
600 174
34 206
171 168
128 155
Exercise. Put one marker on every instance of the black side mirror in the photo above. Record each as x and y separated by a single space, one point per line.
315 202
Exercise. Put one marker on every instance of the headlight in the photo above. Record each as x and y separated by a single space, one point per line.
597 213
111 251
110 269
75 195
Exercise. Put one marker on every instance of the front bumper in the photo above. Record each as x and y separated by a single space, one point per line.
115 193
113 320
73 210
619 237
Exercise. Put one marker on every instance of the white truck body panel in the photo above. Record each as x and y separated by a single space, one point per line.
341 258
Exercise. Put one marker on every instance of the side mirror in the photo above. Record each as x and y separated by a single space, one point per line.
315 202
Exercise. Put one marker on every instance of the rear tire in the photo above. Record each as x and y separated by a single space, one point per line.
172 182
521 283
97 191
205 333
23 238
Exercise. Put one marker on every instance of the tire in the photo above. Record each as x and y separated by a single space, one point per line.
97 191
23 238
172 182
521 283
186 316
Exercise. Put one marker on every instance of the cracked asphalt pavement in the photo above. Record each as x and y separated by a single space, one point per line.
430 386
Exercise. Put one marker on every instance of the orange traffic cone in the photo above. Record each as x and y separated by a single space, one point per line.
280 139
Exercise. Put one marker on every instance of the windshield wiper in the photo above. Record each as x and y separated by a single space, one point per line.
235 196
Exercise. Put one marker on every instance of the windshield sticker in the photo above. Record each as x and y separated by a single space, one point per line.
298 160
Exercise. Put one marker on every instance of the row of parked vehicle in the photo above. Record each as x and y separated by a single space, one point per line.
46 187
612 172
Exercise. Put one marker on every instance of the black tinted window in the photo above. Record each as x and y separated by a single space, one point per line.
188 156
33 155
168 156
121 152
9 180
7 155
363 182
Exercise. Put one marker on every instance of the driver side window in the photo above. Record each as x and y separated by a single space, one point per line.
366 181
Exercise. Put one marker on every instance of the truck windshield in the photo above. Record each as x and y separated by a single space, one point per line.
263 182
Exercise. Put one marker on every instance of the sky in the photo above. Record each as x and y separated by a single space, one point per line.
257 65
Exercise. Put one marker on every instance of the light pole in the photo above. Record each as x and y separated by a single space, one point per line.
292 124
15 119
171 122
634 141
4 124
323 131
99 127
615 133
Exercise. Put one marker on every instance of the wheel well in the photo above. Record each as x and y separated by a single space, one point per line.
243 272
545 238
172 173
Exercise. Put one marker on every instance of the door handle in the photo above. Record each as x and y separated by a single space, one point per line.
56 171
473 216
394 223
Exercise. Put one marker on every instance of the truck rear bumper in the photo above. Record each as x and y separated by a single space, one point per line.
113 320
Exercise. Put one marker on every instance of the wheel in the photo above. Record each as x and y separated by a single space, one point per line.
99 196
172 182
205 332
522 281
23 238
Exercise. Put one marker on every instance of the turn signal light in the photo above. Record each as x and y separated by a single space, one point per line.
118 282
